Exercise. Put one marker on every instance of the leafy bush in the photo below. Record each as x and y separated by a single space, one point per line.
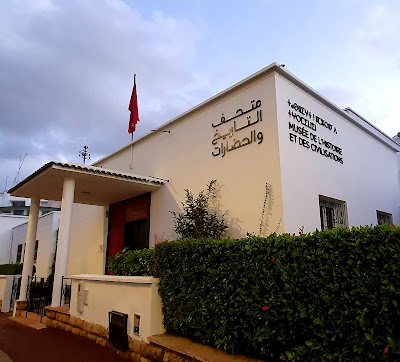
328 295
132 262
198 219
11 269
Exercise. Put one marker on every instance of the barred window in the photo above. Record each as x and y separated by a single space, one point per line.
384 218
36 250
19 253
333 213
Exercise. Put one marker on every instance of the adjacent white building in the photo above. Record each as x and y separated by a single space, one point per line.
285 159
7 224
14 211
45 243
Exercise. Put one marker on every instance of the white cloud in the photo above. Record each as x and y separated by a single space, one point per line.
66 73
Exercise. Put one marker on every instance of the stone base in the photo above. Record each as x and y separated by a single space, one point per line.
160 349
139 350
21 304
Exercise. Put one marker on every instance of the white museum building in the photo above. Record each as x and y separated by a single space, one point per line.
285 158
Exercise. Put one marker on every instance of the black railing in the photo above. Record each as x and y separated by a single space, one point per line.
39 294
66 284
16 286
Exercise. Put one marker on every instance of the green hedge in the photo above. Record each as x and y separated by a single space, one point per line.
330 295
131 262
10 269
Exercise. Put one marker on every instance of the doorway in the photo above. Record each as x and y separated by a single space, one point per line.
129 224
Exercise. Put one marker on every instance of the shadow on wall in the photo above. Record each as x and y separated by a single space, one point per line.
166 197
234 228
266 212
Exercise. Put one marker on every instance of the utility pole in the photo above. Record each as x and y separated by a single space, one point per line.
85 153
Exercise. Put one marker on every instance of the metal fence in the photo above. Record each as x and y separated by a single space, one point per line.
39 294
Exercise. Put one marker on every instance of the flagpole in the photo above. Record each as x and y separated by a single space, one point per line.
131 164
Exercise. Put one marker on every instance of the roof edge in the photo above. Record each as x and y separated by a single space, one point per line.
90 169
387 140
279 68
196 108
31 176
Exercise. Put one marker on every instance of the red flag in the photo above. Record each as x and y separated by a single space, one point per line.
133 108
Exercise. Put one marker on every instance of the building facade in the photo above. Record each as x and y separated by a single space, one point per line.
285 159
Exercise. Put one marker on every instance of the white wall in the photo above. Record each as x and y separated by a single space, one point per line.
184 157
130 295
3 281
7 223
88 240
367 180
47 233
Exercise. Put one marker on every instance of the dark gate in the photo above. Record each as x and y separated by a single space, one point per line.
66 285
16 286
39 295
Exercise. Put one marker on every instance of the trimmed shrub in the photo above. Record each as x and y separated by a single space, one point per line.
11 269
330 295
132 262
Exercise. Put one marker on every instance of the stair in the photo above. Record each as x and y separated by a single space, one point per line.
30 319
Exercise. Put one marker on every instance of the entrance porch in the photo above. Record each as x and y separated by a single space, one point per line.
80 184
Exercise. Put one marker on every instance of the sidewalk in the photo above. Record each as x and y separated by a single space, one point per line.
25 344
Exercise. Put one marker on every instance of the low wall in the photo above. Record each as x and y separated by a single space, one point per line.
100 294
6 284
161 348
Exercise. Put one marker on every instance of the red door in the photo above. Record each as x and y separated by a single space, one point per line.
129 224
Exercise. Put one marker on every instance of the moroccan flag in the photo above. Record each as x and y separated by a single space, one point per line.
133 108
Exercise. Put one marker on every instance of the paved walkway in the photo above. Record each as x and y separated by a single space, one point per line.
20 343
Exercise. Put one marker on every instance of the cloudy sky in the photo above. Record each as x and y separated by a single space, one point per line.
66 66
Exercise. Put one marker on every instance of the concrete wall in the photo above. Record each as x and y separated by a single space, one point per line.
130 295
3 281
88 240
6 285
7 223
367 180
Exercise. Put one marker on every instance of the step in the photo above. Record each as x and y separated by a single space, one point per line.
35 317
28 322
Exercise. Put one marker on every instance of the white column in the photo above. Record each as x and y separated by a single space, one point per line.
63 239
29 246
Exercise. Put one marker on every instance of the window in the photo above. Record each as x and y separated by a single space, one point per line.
19 253
333 213
36 249
18 212
17 203
384 218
